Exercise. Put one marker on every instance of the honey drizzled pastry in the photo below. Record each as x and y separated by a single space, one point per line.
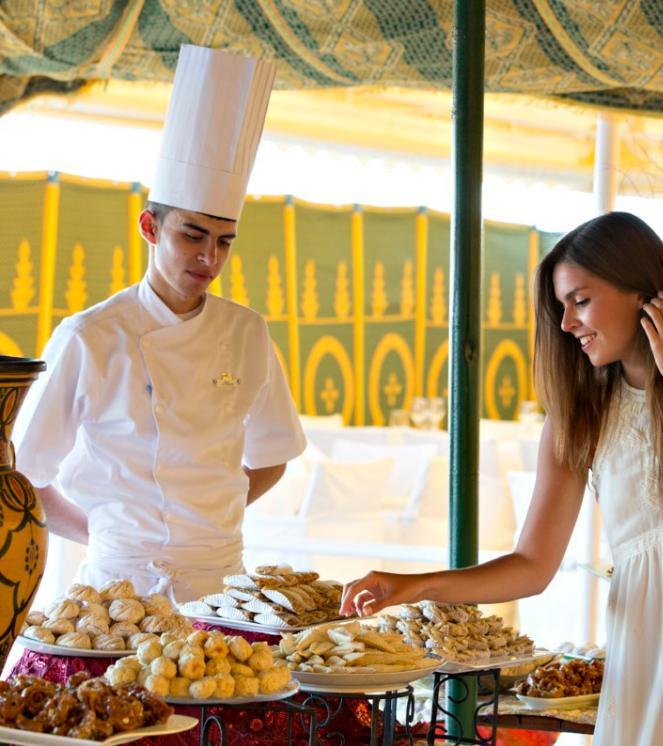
75 640
117 589
126 610
59 626
108 642
93 625
156 604
124 629
95 609
35 632
83 593
63 609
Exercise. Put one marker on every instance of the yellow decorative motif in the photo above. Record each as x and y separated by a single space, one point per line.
342 302
407 290
506 348
519 304
117 272
392 389
76 294
329 346
379 302
494 300
238 292
9 347
275 299
329 395
391 342
438 306
436 365
310 305
506 391
23 289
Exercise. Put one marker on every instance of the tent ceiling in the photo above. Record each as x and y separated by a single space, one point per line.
605 52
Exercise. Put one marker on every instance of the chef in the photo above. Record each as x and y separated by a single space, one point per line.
164 409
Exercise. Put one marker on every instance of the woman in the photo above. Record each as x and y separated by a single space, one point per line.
599 374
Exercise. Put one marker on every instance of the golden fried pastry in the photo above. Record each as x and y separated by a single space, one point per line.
197 638
93 625
35 632
192 650
179 687
129 661
168 637
63 609
126 610
75 640
240 669
203 688
163 666
59 626
108 642
157 604
117 589
216 646
217 666
225 686
148 651
173 649
246 686
191 666
240 648
83 593
133 641
274 679
261 659
117 675
124 629
157 685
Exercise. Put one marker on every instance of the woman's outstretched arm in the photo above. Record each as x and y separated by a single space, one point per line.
524 572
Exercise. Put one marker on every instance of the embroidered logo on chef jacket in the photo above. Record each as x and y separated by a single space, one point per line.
225 380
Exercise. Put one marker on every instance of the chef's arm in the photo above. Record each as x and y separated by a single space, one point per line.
260 480
63 517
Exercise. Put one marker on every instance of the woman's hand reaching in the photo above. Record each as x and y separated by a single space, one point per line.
653 326
375 591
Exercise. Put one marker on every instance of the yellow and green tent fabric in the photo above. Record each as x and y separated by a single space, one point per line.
607 52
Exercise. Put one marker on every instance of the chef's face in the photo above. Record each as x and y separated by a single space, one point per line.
187 251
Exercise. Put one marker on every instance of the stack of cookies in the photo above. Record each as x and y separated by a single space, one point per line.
273 595
112 618
457 632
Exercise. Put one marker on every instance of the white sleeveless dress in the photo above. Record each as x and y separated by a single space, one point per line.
625 480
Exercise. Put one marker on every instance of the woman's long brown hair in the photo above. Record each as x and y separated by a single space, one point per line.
623 250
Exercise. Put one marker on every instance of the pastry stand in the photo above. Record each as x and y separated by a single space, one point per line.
334 707
485 712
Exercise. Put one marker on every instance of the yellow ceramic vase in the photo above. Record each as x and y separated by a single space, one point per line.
23 533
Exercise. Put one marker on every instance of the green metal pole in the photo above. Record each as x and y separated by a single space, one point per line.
465 331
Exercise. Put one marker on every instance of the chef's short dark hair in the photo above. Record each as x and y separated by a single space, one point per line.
161 211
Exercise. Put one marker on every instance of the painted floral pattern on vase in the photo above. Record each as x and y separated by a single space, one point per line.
23 532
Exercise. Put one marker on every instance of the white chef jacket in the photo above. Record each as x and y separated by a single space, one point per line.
144 420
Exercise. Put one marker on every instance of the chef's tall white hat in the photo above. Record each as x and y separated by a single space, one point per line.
213 127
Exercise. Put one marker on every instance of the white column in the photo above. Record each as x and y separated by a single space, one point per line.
606 182
606 161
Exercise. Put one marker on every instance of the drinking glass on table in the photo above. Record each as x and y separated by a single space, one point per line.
399 418
437 410
419 412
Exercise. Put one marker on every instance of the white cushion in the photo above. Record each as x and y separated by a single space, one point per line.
410 463
339 488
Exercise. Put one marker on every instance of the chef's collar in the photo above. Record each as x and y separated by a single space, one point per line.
159 311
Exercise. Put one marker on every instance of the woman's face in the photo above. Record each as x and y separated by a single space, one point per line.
604 319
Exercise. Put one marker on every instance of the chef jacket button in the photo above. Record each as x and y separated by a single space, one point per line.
158 409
